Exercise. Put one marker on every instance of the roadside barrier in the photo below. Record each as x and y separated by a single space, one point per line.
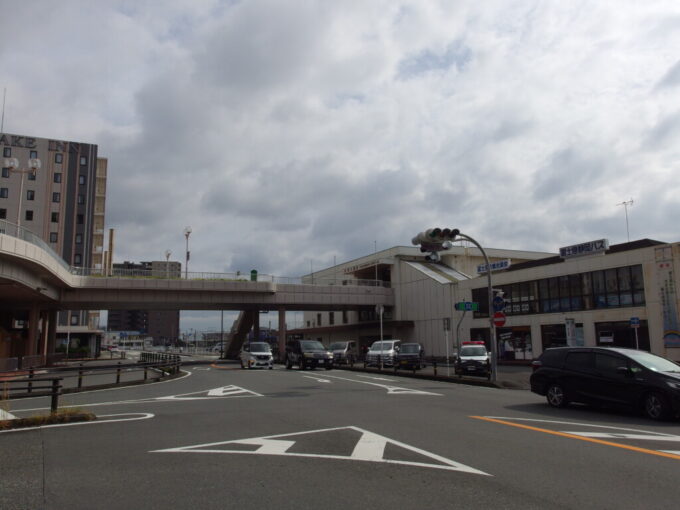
33 387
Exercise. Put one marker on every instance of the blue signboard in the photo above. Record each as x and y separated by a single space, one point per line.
498 304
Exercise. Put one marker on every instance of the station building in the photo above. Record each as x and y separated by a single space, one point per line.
588 294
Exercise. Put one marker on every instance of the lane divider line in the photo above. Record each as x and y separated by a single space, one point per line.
581 438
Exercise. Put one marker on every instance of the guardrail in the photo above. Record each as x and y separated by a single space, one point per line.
24 234
33 387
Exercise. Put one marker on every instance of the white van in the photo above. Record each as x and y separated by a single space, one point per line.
382 352
346 351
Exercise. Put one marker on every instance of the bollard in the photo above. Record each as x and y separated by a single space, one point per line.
434 366
55 395
30 383
118 373
145 374
80 376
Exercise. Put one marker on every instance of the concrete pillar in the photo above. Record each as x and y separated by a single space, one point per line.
42 345
282 333
51 331
256 325
32 340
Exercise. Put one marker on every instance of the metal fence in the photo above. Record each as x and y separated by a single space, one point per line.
24 234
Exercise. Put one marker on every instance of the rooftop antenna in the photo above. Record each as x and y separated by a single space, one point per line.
2 123
625 205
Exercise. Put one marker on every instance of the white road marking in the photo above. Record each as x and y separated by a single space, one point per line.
4 415
202 369
316 379
391 390
376 378
98 421
370 447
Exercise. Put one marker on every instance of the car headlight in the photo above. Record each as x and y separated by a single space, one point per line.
330 355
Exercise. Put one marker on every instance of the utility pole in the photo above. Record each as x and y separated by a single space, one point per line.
625 205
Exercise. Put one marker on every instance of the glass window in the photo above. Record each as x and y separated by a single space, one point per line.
623 274
3 214
611 280
636 278
608 364
5 172
77 259
81 179
74 319
53 237
55 217
79 219
34 155
30 194
79 238
331 318
7 152
598 282
29 216
57 177
4 192
81 199
56 197
318 319
344 316
83 160
58 158
579 361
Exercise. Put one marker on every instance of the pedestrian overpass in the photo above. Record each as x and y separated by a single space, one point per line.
34 279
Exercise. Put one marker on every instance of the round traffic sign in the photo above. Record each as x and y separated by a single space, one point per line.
499 319
498 304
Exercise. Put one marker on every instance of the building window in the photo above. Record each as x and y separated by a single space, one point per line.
30 194
29 215
79 238
34 155
55 217
331 318
53 237
3 214
5 172
344 316
58 158
77 259
318 319
57 177
81 179
79 219
7 152
56 197
83 160
4 192
74 319
81 199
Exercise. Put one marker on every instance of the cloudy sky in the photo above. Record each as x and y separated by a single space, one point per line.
291 133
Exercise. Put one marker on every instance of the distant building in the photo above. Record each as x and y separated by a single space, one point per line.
161 325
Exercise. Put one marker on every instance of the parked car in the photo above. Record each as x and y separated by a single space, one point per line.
411 356
382 351
473 359
609 376
345 352
256 354
308 353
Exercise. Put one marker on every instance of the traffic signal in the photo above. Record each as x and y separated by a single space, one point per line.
436 236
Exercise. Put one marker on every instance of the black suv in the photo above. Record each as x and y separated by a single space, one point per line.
308 353
410 356
609 377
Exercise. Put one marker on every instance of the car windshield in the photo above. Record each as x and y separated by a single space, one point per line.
473 350
260 347
381 346
338 346
312 345
653 362
410 348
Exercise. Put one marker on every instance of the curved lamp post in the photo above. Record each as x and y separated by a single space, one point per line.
13 165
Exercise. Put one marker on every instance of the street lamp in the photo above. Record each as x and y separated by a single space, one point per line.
187 233
13 165
167 262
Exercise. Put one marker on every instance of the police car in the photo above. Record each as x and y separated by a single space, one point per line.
473 359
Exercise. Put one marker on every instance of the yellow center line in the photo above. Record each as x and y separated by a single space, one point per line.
574 436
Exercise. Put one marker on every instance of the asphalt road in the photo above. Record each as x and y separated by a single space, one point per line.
230 438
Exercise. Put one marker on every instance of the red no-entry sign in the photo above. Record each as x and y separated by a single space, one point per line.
499 319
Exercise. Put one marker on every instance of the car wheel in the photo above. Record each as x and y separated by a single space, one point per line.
556 396
302 364
655 406
270 367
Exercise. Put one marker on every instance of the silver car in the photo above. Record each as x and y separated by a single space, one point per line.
382 353
256 355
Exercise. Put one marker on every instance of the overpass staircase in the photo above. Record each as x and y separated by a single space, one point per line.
239 332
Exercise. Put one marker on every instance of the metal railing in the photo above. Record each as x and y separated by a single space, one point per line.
24 234
14 230
33 387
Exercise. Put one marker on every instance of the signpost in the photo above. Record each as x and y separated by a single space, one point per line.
635 324
499 319
467 306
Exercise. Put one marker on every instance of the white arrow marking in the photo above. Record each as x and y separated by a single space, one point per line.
316 378
391 390
221 392
370 447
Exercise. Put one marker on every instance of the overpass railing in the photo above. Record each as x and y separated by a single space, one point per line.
24 234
